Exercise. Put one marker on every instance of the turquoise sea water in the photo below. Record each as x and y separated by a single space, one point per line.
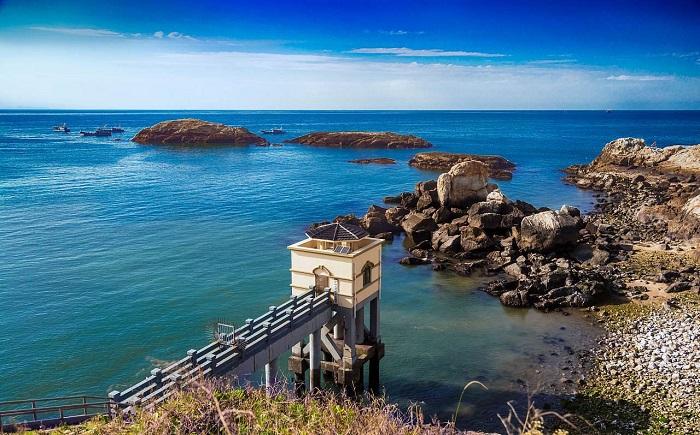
115 257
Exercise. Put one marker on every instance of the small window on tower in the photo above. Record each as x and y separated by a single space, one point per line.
366 274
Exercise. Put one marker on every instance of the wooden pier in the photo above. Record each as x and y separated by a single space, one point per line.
323 324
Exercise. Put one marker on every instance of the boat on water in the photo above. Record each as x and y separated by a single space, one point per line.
100 132
278 130
62 128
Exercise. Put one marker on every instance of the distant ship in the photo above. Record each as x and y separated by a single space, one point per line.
63 128
273 131
100 132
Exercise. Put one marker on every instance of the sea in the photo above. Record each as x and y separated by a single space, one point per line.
117 257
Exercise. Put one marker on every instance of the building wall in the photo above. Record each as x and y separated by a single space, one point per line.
344 271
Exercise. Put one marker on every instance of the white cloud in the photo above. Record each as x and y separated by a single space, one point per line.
410 52
400 32
178 35
45 77
639 78
79 31
92 32
551 61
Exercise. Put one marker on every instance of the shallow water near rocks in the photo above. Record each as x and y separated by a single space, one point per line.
115 257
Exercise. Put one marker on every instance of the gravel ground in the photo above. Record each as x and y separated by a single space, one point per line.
646 376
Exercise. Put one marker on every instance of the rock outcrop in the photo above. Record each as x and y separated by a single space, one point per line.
652 190
499 167
359 139
631 152
465 183
196 132
374 160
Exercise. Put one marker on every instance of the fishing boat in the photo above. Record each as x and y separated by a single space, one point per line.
62 128
100 132
278 130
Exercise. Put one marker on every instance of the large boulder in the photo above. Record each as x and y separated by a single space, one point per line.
375 221
689 222
548 230
499 167
494 215
474 239
418 226
465 183
361 139
196 132
395 215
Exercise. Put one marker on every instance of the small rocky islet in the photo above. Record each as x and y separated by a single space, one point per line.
374 160
195 132
361 140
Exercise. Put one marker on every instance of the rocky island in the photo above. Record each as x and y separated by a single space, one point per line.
499 167
361 140
195 132
375 160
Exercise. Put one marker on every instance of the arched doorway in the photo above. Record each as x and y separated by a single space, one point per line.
321 278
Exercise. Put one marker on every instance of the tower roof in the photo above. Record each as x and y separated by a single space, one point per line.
337 232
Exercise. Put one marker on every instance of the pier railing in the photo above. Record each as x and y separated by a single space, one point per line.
51 412
241 350
253 346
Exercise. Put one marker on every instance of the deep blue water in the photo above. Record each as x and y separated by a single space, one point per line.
115 257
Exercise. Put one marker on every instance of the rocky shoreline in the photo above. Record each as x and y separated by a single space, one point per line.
636 253
553 259
645 370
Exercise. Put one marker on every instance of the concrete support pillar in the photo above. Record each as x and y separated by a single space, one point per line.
299 376
374 375
315 360
349 351
360 325
338 331
374 319
271 370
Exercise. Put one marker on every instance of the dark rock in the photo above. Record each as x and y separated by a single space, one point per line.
679 286
514 298
668 276
395 215
415 222
359 139
374 160
385 236
474 239
442 215
413 261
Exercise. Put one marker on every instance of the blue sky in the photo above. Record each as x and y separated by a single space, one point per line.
349 54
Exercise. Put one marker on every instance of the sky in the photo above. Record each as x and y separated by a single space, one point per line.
327 54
